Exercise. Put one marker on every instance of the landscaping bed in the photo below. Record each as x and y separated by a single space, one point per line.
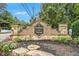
56 48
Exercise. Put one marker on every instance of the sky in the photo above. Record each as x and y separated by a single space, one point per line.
16 9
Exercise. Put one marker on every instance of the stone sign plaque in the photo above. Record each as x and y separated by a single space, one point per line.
38 29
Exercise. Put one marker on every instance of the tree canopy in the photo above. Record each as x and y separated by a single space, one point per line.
2 7
57 13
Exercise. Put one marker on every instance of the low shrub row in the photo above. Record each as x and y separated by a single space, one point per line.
62 39
68 40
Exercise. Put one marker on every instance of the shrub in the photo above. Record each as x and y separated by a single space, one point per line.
75 28
13 45
1 45
63 39
6 48
17 39
76 40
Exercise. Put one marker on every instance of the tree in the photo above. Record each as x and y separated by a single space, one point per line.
76 12
2 7
54 14
6 17
75 28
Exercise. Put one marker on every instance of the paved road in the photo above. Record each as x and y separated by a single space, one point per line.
4 36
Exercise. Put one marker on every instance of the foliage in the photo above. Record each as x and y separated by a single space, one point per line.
6 17
54 14
63 39
17 39
75 28
57 13
1 45
6 48
76 40
13 45
2 7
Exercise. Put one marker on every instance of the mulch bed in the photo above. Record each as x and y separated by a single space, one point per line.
58 49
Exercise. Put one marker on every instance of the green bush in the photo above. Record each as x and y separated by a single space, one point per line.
18 39
1 45
75 28
13 45
76 40
6 48
63 39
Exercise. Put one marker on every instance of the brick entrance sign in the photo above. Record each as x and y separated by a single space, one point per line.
40 30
